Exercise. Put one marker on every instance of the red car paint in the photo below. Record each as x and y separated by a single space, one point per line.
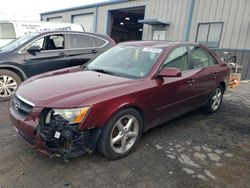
158 99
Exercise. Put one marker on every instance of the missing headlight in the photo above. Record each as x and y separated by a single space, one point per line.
65 139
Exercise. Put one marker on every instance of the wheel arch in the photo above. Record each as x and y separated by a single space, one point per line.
127 106
16 70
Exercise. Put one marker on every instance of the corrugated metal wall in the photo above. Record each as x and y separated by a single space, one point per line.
235 14
176 12
67 15
236 17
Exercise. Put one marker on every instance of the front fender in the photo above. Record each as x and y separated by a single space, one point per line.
101 113
13 66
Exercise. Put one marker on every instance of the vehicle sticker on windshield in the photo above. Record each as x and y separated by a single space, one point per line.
152 50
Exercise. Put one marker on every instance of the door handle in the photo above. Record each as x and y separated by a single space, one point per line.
62 55
191 81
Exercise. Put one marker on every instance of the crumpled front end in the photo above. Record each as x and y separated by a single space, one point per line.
65 140
53 138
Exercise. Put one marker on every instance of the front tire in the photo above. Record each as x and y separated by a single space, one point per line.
215 100
121 134
9 82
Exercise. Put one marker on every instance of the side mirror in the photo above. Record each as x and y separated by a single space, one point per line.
34 49
170 72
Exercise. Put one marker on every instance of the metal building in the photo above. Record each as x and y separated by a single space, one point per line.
223 25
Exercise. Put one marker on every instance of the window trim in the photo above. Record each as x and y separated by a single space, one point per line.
22 49
209 25
166 56
207 51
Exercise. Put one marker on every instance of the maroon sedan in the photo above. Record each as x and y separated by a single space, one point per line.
111 101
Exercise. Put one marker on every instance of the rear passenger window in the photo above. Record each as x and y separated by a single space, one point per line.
80 41
201 58
97 41
178 58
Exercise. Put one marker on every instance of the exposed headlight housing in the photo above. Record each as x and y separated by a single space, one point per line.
71 116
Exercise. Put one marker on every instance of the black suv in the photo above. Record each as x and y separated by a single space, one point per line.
37 53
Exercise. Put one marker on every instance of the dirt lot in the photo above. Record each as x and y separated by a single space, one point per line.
195 150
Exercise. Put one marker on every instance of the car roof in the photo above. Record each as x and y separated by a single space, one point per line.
155 44
65 32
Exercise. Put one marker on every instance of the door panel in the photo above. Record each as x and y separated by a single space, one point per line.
173 97
206 73
45 61
52 56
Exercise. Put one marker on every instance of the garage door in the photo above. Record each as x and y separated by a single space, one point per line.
57 19
86 20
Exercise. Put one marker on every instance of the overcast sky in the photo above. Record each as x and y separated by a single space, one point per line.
29 9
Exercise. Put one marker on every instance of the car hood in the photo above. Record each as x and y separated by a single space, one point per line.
69 89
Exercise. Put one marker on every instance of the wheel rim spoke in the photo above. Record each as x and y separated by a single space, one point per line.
219 95
5 94
131 135
120 126
8 81
5 78
13 86
8 91
214 98
118 138
129 124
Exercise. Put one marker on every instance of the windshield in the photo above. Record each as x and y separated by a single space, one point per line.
127 61
17 42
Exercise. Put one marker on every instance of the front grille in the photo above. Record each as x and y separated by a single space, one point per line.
21 107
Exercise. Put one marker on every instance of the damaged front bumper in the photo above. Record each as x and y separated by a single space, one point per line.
55 139
67 141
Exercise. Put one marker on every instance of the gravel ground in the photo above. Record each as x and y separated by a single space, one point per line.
195 150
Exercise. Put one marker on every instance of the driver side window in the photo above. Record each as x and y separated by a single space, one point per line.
38 43
178 58
51 42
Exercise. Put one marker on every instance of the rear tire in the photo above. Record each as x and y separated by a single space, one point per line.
215 100
9 82
121 134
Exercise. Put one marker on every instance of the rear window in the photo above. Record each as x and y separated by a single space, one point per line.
80 41
7 31
97 41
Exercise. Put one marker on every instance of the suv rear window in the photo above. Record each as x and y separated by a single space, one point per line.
97 41
7 31
80 41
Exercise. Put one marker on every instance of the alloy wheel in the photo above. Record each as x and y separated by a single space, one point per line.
216 99
8 86
124 134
